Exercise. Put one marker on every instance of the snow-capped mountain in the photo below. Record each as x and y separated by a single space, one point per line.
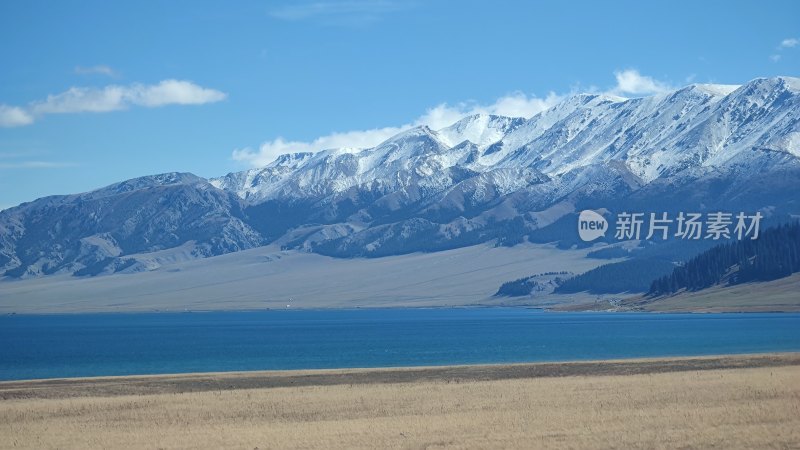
699 126
484 177
99 231
482 130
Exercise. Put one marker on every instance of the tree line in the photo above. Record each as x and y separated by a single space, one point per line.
775 254
633 275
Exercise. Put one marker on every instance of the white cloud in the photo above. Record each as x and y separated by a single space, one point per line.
631 82
786 43
82 99
270 150
35 165
174 92
352 12
514 105
628 83
12 116
520 105
111 98
96 70
26 159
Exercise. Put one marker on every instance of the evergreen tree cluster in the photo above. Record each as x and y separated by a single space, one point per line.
775 254
633 275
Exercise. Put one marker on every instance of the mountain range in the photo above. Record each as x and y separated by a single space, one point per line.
484 178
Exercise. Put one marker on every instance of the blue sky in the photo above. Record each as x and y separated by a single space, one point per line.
94 92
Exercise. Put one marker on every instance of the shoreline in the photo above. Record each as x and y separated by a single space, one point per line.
579 308
177 383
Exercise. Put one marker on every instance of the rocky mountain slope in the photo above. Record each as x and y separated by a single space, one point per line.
702 147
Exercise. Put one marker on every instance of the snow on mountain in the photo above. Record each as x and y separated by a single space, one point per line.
480 129
701 125
762 114
484 177
94 232
639 131
717 89
542 122
249 185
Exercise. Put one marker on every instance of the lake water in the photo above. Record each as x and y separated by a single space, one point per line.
123 344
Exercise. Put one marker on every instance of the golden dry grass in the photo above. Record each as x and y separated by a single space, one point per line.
726 408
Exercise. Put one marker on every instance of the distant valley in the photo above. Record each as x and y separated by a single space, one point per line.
485 180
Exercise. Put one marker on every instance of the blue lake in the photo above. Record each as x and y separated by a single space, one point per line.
50 346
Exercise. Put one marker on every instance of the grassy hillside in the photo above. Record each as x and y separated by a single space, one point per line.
769 296
774 255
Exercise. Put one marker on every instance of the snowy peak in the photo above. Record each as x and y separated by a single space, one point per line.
579 102
775 83
483 178
421 136
700 127
720 90
480 129
291 160
252 184
761 91
698 93
402 148
792 83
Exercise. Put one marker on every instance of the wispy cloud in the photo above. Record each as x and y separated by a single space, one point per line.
13 116
36 165
349 12
515 105
358 139
96 70
111 98
18 154
31 159
782 47
632 83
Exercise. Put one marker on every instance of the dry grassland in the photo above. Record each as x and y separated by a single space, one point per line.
755 407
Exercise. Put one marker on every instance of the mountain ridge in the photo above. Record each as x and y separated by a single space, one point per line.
425 190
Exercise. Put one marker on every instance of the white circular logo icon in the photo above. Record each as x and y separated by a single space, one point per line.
591 225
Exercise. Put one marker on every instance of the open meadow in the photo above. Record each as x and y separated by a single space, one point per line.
724 402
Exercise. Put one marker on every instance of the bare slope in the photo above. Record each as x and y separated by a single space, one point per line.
267 277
